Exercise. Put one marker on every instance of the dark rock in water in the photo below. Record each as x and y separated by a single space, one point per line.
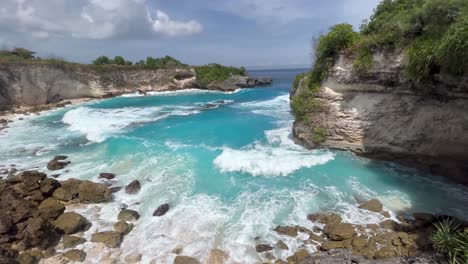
339 232
161 210
111 239
263 248
57 163
373 205
128 215
185 260
106 175
123 227
70 222
325 218
133 187
92 192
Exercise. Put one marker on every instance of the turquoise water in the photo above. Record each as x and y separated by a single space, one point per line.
225 162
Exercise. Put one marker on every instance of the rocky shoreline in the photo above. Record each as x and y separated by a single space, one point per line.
39 223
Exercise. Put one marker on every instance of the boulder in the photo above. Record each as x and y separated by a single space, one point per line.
325 218
298 257
26 258
329 245
75 255
111 239
185 260
128 215
373 205
92 192
5 223
161 210
51 208
263 248
123 227
57 163
281 245
106 175
68 191
133 187
389 224
70 222
339 231
72 241
287 230
49 185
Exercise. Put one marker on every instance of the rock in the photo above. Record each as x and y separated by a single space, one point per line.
72 241
68 191
94 192
359 243
299 256
325 218
49 185
111 239
133 258
329 245
5 223
123 227
373 205
315 237
70 222
177 250
75 255
263 248
161 210
281 245
386 214
133 187
425 217
26 258
115 189
340 231
287 230
106 175
185 260
57 163
389 224
128 215
51 208
216 256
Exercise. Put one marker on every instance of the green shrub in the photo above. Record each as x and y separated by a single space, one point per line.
451 241
298 79
162 63
364 60
422 60
102 60
216 72
452 52
305 103
319 135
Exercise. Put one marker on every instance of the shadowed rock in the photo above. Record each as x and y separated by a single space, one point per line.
161 210
133 187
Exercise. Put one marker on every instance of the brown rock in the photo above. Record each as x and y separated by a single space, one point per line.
281 245
57 163
26 258
111 239
389 224
373 205
133 187
123 227
115 189
216 256
133 258
325 218
287 230
329 245
263 248
68 191
51 208
299 256
128 215
72 241
49 185
94 192
340 231
106 175
75 255
70 222
359 243
185 260
5 223
161 210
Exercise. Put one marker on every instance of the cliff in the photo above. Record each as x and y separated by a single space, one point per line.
382 114
31 84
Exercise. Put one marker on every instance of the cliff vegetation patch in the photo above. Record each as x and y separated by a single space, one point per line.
215 72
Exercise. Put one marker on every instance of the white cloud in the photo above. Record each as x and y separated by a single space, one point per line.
90 19
164 25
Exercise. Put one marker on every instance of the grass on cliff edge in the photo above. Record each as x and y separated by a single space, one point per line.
215 72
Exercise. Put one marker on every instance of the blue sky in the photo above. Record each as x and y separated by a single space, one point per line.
253 33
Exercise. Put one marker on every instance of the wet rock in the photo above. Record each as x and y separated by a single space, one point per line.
115 189
57 163
185 260
51 208
281 245
315 237
389 224
133 258
287 230
339 231
299 256
263 248
373 205
133 187
68 191
48 186
5 223
111 239
27 258
94 192
106 175
325 218
75 255
177 250
123 227
128 215
359 243
70 222
216 256
72 241
329 245
161 210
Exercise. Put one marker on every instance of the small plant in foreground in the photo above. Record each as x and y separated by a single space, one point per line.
449 240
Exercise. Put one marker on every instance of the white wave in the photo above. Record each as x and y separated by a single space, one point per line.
278 106
190 91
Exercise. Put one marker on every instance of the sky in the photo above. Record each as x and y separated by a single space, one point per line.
251 33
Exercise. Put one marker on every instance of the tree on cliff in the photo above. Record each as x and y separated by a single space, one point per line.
102 60
119 60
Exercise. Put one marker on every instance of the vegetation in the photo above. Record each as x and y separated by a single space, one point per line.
319 135
216 72
451 241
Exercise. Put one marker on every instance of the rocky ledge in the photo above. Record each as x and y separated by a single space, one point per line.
235 82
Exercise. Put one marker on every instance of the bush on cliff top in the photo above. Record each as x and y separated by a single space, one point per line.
216 72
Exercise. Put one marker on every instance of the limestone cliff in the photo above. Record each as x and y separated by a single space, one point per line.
384 115
31 84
